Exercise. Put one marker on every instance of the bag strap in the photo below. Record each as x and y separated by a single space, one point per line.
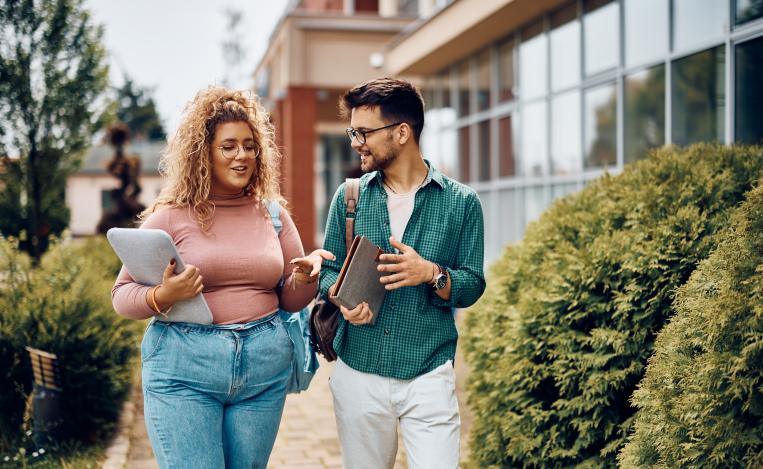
351 197
274 209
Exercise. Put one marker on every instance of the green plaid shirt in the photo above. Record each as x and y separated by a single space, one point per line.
415 331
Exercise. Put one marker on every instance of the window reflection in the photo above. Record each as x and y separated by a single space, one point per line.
602 36
600 120
566 140
644 112
696 21
506 164
699 97
485 146
747 10
565 48
506 71
483 80
463 90
534 153
646 30
749 92
445 87
533 66
463 154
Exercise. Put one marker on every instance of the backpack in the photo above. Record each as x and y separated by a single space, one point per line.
304 362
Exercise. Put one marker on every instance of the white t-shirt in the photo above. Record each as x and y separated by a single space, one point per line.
400 209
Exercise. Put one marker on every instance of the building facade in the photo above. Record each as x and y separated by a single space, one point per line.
528 100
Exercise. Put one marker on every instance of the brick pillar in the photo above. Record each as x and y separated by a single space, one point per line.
297 114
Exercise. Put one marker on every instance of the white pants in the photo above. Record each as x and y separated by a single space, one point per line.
368 408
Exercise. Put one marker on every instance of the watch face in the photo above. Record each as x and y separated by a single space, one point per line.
440 282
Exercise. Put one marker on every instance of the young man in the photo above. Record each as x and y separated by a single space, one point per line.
400 369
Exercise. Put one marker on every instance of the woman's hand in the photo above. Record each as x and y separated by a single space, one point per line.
177 287
306 269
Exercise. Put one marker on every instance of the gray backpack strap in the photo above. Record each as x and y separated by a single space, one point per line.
274 208
351 197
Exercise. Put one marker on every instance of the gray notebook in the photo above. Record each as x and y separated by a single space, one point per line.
358 280
145 254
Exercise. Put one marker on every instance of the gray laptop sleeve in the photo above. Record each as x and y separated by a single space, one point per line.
145 254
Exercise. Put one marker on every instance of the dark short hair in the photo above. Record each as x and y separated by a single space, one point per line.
398 101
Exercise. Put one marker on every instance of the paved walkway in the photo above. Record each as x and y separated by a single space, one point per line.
307 436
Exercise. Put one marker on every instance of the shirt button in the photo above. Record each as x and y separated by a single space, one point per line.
386 331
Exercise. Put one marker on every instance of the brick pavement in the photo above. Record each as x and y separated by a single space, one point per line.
307 435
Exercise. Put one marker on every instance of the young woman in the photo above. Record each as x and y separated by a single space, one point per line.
214 394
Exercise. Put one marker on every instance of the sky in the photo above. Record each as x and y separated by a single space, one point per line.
175 46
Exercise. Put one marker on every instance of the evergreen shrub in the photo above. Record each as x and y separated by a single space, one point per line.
701 402
563 334
64 307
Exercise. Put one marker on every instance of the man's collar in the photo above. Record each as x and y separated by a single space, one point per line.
432 175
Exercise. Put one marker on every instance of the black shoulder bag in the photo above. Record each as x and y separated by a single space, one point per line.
324 317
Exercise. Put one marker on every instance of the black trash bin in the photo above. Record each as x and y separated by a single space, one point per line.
46 409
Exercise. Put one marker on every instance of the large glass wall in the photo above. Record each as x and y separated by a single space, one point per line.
589 87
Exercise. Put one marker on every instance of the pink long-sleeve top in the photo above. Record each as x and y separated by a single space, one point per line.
240 258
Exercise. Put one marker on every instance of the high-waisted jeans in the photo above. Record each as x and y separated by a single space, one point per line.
214 394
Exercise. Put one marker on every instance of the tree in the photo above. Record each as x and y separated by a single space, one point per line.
52 82
137 109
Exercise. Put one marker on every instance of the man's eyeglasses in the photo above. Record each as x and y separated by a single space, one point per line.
230 150
360 135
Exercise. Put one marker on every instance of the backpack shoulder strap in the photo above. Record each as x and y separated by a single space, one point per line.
274 209
351 197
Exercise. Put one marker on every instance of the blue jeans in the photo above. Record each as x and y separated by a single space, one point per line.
213 394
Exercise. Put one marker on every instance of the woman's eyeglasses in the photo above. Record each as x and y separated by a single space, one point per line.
231 150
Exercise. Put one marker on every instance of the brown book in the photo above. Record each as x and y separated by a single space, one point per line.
359 279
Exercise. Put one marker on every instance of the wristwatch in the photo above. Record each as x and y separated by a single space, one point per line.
441 279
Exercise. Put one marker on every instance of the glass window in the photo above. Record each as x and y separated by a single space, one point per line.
600 120
646 31
565 49
534 155
535 203
747 10
506 71
485 146
464 90
566 140
699 98
533 66
697 21
601 28
506 164
644 112
463 154
444 84
483 80
408 7
749 92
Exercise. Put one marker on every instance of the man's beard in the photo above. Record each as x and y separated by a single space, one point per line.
378 161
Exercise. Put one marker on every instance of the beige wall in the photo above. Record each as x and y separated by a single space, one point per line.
340 59
83 197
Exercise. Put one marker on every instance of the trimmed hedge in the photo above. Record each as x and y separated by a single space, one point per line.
64 307
563 334
701 401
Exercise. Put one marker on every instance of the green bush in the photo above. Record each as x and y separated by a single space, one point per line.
563 334
701 401
64 307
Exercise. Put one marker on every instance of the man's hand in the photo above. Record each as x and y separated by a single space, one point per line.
306 269
408 269
360 315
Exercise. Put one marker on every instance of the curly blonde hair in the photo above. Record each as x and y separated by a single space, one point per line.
186 163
